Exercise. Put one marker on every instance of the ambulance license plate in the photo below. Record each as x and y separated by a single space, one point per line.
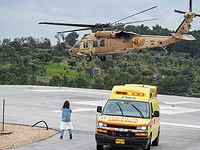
119 141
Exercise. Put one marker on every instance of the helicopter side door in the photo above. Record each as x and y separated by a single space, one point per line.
100 46
111 45
86 47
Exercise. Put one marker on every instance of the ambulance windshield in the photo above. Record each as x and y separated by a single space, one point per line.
127 108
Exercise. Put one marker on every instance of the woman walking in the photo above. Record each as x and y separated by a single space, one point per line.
66 123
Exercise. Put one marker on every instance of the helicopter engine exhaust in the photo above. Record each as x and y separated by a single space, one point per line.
103 34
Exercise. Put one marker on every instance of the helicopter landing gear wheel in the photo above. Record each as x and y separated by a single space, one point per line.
88 58
102 58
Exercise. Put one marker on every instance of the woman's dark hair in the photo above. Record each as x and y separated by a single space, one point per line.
66 105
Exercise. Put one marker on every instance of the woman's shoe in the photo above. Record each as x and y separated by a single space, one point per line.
61 137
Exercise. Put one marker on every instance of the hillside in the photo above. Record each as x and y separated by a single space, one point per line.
36 62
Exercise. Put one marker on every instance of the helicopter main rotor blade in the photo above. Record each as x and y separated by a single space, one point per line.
197 15
69 24
178 11
134 14
75 30
122 24
190 5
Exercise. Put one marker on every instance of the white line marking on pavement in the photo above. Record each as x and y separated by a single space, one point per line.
93 103
180 125
77 110
164 109
178 102
77 91
83 109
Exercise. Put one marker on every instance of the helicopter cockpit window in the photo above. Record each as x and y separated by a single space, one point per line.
95 43
76 45
102 43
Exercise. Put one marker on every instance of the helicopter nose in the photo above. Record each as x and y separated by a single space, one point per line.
70 51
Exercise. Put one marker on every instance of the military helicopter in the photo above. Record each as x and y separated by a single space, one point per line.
109 42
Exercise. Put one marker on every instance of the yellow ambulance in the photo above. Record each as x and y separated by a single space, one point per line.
130 117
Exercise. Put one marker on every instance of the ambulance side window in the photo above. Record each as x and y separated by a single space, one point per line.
151 109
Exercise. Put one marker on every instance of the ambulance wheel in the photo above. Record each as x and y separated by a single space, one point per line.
88 58
99 147
156 141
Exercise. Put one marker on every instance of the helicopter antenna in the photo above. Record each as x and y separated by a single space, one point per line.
134 14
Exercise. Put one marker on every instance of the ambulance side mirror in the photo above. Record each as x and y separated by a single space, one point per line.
99 109
156 114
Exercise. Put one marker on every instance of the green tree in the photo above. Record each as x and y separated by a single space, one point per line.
137 79
79 69
132 70
147 72
71 38
55 81
188 72
112 71
123 66
81 82
47 57
43 69
105 64
122 78
23 79
26 61
3 58
173 85
175 71
57 59
98 84
88 69
72 63
108 82
32 80
34 67
64 81
71 83
6 41
16 45
9 79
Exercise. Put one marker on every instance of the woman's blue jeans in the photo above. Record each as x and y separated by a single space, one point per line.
62 132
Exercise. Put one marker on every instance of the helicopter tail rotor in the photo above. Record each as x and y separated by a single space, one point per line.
190 10
185 25
181 12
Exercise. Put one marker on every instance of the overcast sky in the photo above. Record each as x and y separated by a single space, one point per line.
20 18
